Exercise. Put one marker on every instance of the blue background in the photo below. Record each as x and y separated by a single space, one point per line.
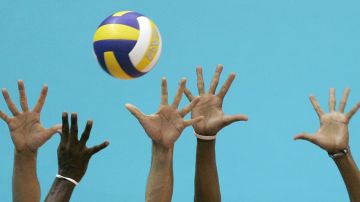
281 50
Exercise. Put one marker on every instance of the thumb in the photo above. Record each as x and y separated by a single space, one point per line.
234 118
135 111
53 130
306 136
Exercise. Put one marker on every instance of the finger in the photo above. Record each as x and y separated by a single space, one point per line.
97 148
52 131
74 128
226 86
351 113
332 100
200 80
65 127
86 134
188 94
4 117
316 106
179 93
192 121
9 102
188 108
135 111
231 119
40 103
305 136
164 92
23 99
216 78
344 100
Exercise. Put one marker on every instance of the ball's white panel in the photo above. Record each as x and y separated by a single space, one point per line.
156 58
143 42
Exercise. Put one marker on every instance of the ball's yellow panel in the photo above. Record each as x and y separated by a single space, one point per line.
121 13
114 67
116 31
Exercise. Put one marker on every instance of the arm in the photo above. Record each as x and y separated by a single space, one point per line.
73 158
164 128
28 135
61 190
161 179
207 186
25 171
351 175
333 137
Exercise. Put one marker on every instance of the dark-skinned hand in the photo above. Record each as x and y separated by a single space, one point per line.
73 155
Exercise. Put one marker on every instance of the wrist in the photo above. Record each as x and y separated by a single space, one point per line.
25 156
206 145
206 142
64 183
25 152
161 153
70 173
340 153
162 148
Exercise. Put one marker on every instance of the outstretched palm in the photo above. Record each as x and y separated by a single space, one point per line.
333 134
210 105
26 130
165 126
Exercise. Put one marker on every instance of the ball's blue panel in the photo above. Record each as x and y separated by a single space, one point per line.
126 19
116 45
100 47
128 67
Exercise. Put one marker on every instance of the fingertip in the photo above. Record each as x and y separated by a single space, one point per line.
182 81
128 106
90 122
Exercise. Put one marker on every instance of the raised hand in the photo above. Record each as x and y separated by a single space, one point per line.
333 135
73 155
210 105
26 130
165 126
73 158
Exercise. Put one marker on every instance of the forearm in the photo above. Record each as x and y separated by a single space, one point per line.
207 188
160 181
25 185
60 191
351 176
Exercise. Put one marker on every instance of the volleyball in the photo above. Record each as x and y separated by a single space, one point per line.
127 45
